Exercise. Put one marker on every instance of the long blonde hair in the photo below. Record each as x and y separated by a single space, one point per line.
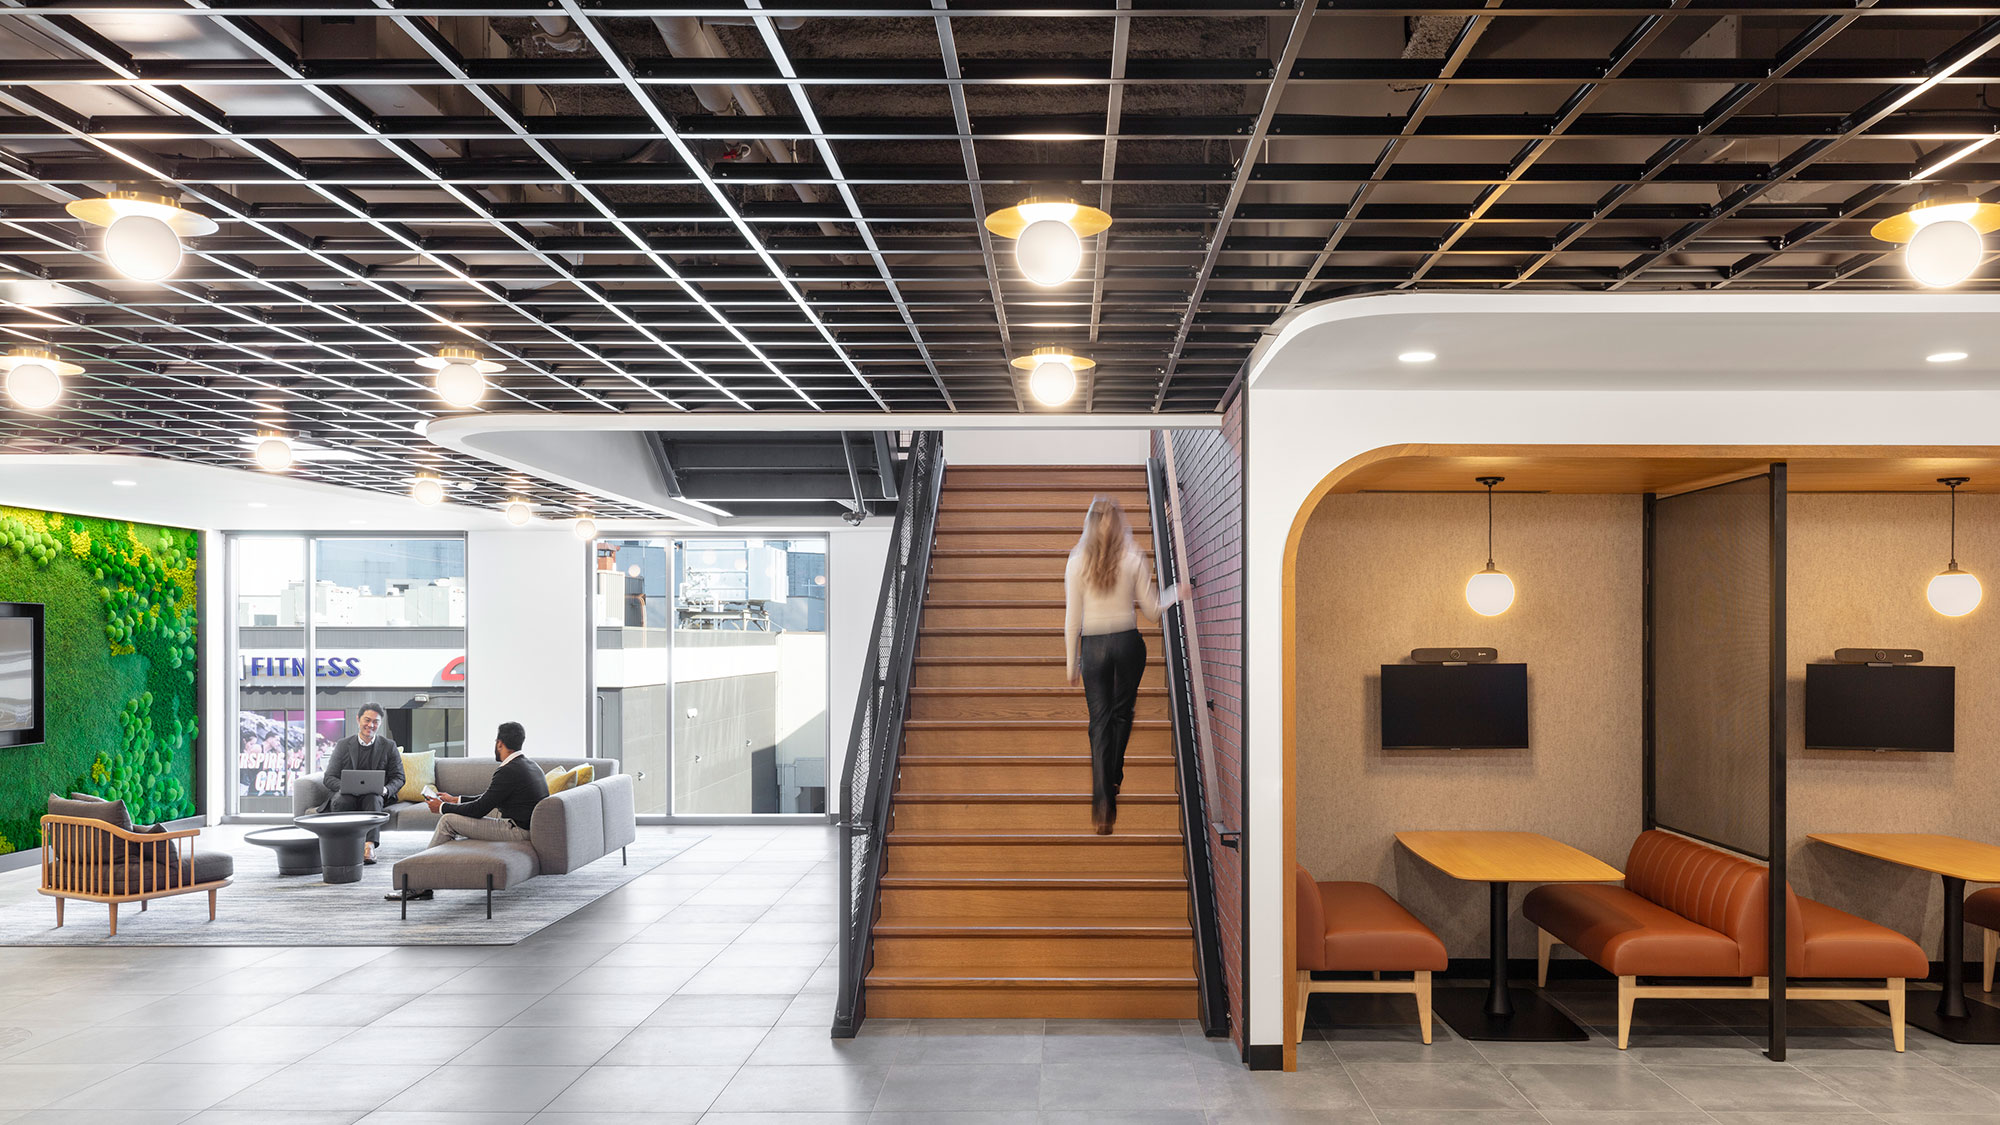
1107 539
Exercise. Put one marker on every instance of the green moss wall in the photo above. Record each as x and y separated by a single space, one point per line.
120 684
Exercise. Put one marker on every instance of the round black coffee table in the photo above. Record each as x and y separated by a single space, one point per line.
297 849
340 837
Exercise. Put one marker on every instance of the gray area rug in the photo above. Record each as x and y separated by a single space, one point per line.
264 908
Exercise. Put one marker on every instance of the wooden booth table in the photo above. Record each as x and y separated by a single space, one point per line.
1957 862
1497 859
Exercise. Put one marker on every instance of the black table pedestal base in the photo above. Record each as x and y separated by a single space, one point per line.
1534 1020
1979 1025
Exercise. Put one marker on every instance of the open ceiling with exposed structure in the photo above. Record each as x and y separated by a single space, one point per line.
687 208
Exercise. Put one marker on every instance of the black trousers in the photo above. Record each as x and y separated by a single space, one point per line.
368 802
1110 664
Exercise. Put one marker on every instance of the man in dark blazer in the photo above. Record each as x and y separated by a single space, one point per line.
369 750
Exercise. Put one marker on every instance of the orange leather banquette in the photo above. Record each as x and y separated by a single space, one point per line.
1357 927
1689 910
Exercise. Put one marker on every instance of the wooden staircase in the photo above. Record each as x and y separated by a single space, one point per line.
997 898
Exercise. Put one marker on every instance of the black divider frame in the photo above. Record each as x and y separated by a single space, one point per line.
1775 776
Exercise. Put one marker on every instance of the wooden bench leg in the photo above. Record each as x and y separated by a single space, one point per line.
211 906
1423 982
1627 994
143 905
114 919
1896 999
59 911
1304 980
1544 942
1986 969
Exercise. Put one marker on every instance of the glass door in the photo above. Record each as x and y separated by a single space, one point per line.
274 744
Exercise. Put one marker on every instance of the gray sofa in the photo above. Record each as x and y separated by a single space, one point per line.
460 777
569 829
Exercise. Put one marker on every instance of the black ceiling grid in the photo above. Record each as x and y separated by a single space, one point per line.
650 207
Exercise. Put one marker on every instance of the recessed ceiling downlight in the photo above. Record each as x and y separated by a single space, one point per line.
126 483
1944 357
1417 357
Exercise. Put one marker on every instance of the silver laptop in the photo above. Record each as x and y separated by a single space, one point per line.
362 783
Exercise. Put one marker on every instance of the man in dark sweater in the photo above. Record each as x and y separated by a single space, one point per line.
517 787
370 750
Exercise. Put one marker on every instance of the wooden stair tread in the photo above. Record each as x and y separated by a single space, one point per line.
1025 760
1119 882
1025 689
1008 630
1029 839
926 797
1021 928
1023 724
1009 661
1100 979
1006 552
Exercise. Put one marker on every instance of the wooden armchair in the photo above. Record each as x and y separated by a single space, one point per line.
91 860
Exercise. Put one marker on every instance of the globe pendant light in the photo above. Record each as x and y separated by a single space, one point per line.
1489 592
1953 592
1941 235
1052 373
34 377
143 231
461 374
1048 233
427 489
519 512
273 452
584 528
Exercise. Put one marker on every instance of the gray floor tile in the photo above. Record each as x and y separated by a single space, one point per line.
968 1117
443 1117
98 1117
275 1117
186 1086
812 1046
719 1011
1435 1086
642 1089
350 1009
408 1046
660 955
1137 1117
619 980
574 1010
766 981
802 1089
1748 1089
1576 1086
500 1088
110 1043
1627 1117
1897 1089
307 1084
485 980
278 1045
1459 1117
541 1046
685 1046
455 1011
1121 1085
1015 1049
959 1086
31 1087
547 1118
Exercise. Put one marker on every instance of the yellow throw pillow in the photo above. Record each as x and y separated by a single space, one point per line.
585 774
560 780
419 770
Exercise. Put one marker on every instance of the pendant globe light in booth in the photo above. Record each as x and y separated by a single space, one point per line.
35 377
1941 235
142 231
461 374
1953 592
1048 234
1052 373
1489 592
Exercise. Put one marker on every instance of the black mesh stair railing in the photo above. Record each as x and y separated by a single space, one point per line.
1181 698
869 780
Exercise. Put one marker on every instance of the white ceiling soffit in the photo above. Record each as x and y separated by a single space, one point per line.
1659 341
184 494
607 456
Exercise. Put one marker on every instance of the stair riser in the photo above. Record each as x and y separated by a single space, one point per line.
1027 779
1028 816
1075 501
973 589
992 616
1054 906
1068 704
1038 515
1033 956
1048 567
1016 1003
988 539
1079 476
1045 675
1070 741
1160 860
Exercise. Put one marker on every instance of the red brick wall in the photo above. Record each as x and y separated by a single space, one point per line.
1208 466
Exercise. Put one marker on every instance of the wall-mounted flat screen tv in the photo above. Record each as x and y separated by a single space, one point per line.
1880 707
21 656
1454 706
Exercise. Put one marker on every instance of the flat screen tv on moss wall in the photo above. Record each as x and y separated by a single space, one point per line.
21 658
119 714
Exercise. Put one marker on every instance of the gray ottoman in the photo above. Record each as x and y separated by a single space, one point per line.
467 865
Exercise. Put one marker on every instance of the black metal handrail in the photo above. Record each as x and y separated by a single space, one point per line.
1181 698
875 745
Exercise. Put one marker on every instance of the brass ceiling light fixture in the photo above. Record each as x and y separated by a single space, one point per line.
142 230
461 374
35 377
1048 233
1052 373
1941 235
